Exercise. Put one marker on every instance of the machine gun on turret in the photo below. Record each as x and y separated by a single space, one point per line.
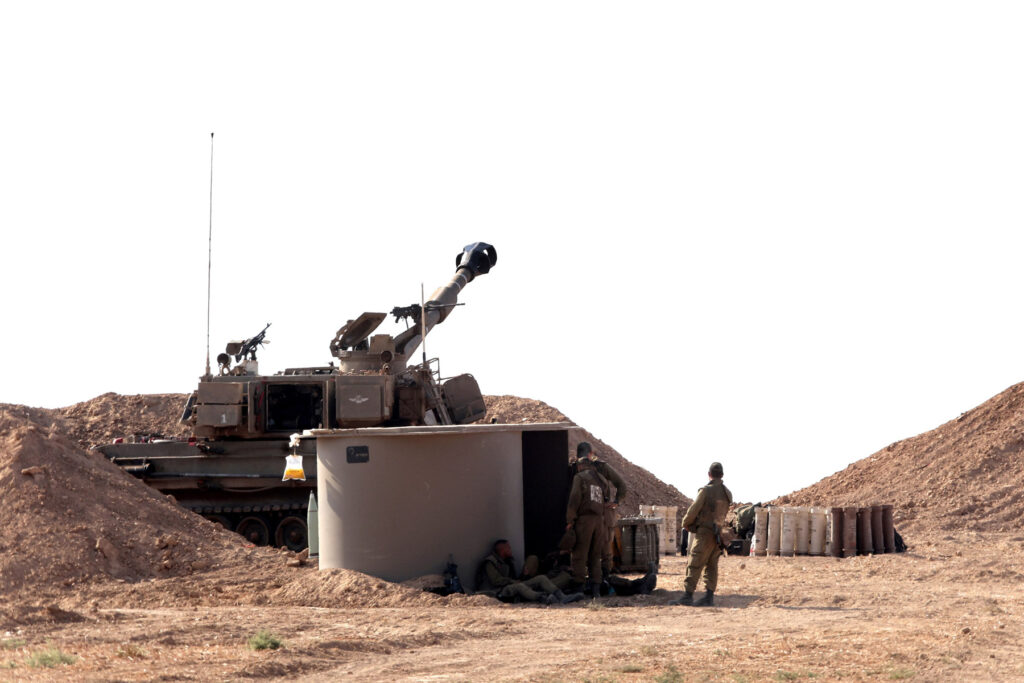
244 349
248 346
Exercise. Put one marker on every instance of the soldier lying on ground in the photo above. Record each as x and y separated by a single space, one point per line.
558 569
497 576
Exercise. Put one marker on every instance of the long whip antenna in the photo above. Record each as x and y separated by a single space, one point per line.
209 261
423 323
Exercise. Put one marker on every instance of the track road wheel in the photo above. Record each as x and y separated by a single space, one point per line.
254 530
291 533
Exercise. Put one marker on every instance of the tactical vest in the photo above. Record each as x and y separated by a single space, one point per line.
595 493
716 505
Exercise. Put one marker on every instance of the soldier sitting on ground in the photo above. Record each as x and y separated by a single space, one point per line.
497 576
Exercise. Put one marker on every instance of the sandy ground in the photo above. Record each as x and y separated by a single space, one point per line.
952 608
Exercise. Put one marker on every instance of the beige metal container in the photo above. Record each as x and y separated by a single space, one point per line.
787 538
818 531
395 502
803 530
759 543
774 530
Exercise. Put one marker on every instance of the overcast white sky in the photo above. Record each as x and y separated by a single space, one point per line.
778 235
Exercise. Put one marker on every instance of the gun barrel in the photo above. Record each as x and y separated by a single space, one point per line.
475 259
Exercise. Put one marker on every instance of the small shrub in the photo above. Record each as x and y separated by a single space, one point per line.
11 643
900 674
131 651
49 658
781 675
264 640
670 675
631 669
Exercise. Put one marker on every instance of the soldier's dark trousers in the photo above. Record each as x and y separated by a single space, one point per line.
586 554
607 547
704 554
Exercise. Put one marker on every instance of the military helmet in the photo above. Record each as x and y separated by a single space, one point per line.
716 469
583 449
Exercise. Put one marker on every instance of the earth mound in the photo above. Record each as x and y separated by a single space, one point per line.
110 416
69 516
967 474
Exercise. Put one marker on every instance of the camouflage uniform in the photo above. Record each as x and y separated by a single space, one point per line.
585 513
707 511
610 514
499 578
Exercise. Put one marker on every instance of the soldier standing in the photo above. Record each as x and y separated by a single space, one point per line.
585 515
703 519
585 451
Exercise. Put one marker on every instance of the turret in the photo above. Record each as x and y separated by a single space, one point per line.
373 386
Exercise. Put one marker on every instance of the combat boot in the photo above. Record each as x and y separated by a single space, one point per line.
686 600
707 601
648 583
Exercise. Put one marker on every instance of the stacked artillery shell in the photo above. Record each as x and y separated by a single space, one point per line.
803 530
876 529
888 530
759 544
818 531
787 539
849 532
774 530
835 532
865 544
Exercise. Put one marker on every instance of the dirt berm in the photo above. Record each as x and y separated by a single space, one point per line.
967 474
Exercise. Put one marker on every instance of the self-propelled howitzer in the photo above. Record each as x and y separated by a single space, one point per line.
241 421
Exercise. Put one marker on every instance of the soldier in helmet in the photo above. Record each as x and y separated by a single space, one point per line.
585 516
703 520
585 451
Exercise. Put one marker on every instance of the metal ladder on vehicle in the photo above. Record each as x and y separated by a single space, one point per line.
435 398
